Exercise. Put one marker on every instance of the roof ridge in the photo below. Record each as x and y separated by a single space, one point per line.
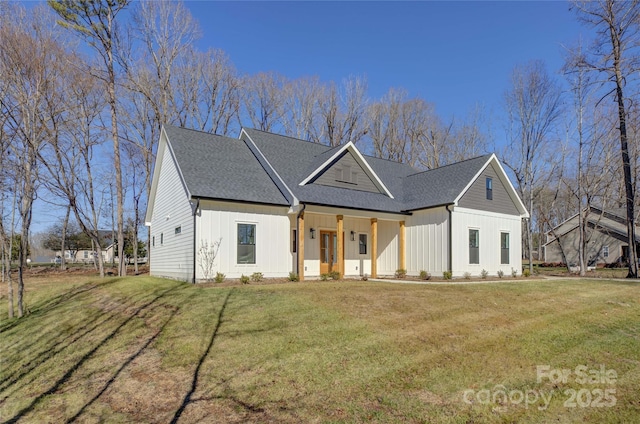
449 164
199 131
292 138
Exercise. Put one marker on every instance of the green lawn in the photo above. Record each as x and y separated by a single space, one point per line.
146 350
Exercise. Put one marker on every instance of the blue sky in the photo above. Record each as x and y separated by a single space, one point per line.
452 54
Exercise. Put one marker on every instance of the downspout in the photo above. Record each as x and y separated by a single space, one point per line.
298 238
450 258
195 254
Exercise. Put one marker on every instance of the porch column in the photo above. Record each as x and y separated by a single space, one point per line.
402 262
374 247
301 232
340 253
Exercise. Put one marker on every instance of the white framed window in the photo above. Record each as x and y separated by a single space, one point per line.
246 243
504 248
474 246
362 244
489 183
178 230
605 251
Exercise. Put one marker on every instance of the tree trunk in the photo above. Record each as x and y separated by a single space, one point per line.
63 243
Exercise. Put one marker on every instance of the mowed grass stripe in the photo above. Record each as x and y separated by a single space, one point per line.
142 349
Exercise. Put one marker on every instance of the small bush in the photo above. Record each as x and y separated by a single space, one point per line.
514 272
219 277
484 273
244 279
526 272
335 275
324 277
257 277
467 276
365 277
293 276
447 275
424 275
500 273
401 273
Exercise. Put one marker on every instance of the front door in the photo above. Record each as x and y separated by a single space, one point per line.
328 251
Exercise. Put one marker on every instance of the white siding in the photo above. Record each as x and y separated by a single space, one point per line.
219 220
490 225
173 257
427 242
388 247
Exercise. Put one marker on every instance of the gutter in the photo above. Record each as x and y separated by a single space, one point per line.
450 258
298 238
195 254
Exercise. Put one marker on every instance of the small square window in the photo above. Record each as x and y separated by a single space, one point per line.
362 244
489 189
178 229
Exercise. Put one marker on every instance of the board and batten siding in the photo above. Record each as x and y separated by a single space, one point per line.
171 253
219 221
361 182
476 195
489 225
388 261
427 242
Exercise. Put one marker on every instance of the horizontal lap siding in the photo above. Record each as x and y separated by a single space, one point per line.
476 196
490 225
219 220
427 241
173 257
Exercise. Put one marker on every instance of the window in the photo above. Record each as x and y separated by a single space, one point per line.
474 246
605 251
161 238
504 248
178 230
363 243
246 243
86 254
153 241
489 189
294 239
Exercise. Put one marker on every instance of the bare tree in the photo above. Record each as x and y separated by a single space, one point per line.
95 22
614 55
302 118
262 99
534 107
343 110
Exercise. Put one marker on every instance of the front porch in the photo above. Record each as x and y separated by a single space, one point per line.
350 242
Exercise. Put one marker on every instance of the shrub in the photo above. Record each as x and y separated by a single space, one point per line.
324 277
500 273
335 275
293 276
514 272
447 275
467 275
526 272
424 275
244 279
484 273
365 277
401 273
257 277
219 277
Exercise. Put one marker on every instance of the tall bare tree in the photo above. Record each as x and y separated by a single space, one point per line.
615 56
534 106
95 22
343 110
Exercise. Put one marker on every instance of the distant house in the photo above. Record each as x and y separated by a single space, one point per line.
87 255
606 233
279 205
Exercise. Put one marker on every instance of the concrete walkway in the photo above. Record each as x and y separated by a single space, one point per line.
459 281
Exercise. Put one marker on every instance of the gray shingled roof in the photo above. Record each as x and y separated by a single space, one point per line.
218 167
440 186
223 168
